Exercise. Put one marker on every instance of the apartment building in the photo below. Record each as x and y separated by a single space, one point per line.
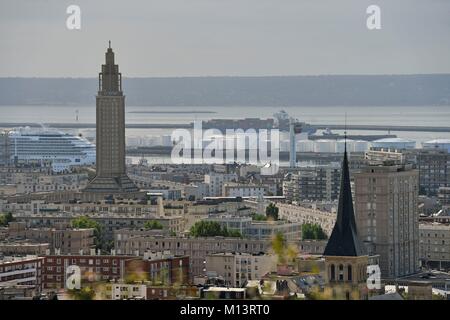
65 239
215 182
233 189
434 170
313 182
196 248
25 270
238 268
303 215
434 242
386 212
260 230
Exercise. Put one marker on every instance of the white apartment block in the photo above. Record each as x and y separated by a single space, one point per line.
216 181
303 215
21 271
231 189
122 291
238 268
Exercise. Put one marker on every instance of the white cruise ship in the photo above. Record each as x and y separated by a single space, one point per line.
62 150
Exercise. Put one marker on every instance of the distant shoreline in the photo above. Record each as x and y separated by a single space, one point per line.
282 91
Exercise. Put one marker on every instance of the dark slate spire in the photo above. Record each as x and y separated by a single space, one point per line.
344 239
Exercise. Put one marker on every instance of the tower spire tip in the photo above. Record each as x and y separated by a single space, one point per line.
345 134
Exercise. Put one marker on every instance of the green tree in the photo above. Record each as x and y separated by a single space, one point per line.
153 225
85 222
86 293
272 212
6 218
313 231
234 234
212 229
259 217
285 252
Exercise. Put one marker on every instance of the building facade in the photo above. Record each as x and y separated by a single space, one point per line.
387 216
215 182
111 174
238 268
66 240
196 248
232 189
303 215
434 170
94 268
435 245
313 182
21 271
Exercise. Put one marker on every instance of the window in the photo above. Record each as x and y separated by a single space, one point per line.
341 272
332 273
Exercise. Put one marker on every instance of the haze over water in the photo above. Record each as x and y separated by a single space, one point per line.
377 115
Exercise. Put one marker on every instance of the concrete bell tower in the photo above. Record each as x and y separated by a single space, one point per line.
111 174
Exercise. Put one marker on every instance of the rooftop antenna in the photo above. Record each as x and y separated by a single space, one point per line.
109 42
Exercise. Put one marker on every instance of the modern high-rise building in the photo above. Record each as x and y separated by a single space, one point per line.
434 170
313 182
111 177
386 203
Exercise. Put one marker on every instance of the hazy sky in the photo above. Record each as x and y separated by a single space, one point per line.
224 37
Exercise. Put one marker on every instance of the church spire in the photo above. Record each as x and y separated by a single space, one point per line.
344 239
345 135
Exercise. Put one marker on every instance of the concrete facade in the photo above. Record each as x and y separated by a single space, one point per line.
386 210
111 174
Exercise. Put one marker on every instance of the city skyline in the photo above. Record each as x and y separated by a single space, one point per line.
258 189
